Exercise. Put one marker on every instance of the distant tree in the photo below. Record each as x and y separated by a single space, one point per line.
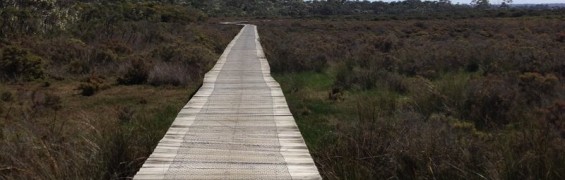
481 4
445 2
293 8
505 3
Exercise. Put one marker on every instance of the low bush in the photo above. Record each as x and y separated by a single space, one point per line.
170 74
78 67
537 87
6 96
491 102
187 63
92 85
554 115
18 63
137 72
41 100
102 56
88 89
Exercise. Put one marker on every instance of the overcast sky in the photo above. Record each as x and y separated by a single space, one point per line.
498 1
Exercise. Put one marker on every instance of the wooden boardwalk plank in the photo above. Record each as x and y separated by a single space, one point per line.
237 126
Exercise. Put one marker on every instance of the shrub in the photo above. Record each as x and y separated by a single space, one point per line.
17 63
387 43
137 73
7 96
190 62
425 95
536 87
53 101
119 47
555 116
490 101
344 78
169 74
336 94
61 51
78 67
103 56
125 114
91 85
41 100
394 82
87 89
560 37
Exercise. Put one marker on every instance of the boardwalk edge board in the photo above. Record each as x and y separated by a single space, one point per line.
298 163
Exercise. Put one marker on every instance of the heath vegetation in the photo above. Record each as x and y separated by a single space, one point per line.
88 88
402 90
433 99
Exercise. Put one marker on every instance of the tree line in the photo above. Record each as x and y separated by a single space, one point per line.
51 16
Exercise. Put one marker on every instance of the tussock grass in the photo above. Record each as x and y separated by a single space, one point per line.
108 135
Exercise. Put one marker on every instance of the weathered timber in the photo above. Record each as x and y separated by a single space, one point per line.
237 126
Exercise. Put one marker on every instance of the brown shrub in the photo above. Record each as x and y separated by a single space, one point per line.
41 100
560 37
78 67
6 96
136 73
170 74
536 87
118 47
555 116
102 56
92 85
490 102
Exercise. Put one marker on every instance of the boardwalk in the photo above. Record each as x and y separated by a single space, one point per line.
237 126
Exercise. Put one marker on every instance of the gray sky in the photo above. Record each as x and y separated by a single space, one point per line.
498 1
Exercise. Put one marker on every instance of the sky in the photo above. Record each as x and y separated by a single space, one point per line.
499 1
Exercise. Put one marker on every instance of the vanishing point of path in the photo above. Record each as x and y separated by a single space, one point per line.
237 126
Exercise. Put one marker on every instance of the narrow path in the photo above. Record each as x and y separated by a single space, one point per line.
237 126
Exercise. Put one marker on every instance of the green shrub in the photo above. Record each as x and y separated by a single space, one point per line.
17 63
